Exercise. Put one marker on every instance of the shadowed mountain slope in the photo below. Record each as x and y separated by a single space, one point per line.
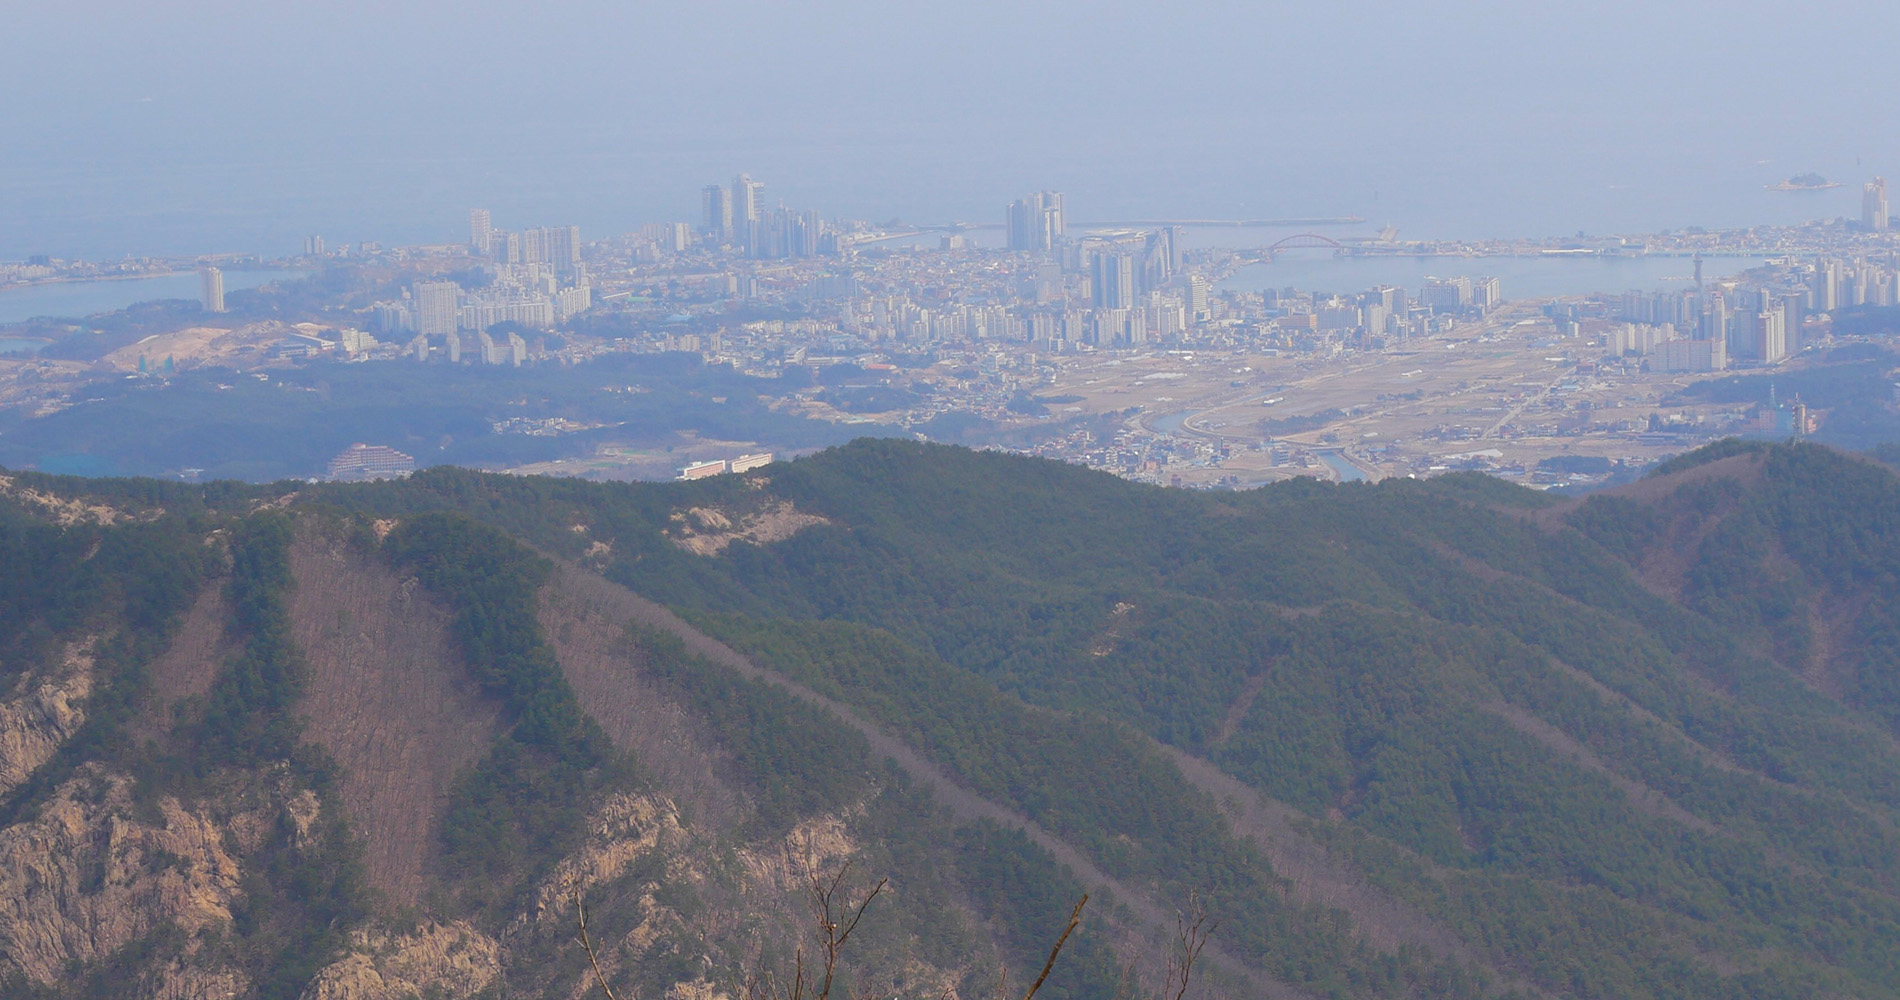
1441 738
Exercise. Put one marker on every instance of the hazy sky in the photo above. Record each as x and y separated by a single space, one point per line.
169 126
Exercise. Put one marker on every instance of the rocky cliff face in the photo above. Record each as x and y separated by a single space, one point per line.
95 873
106 883
446 960
680 899
44 710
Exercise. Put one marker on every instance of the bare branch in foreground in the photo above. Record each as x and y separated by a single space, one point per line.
588 945
1191 933
836 917
1075 917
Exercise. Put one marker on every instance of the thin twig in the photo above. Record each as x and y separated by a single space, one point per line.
826 904
1075 917
1192 932
1129 981
587 944
859 915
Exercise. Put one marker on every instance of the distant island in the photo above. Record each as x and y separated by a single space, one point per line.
1805 182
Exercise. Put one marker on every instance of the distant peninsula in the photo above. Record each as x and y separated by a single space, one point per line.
1805 182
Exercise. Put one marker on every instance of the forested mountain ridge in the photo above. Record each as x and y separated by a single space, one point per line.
1425 738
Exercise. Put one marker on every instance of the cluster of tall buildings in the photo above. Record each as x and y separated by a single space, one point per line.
899 318
1457 294
1665 348
1054 322
443 316
530 295
671 237
535 281
1840 284
1035 222
1125 266
1743 322
735 215
730 210
1122 266
1108 289
530 298
1384 311
559 247
1709 329
1124 288
1756 320
489 348
1157 316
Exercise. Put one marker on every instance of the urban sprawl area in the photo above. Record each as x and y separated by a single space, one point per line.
1116 345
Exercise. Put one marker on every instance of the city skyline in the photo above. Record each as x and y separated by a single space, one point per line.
1852 201
783 231
1469 123
1192 361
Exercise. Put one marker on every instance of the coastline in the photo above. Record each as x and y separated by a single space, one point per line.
68 279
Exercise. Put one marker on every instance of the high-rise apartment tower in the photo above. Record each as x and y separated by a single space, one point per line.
716 202
1035 222
211 289
436 308
1113 280
748 196
480 231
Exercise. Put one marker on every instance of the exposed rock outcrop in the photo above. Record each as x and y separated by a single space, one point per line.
86 878
449 961
706 531
624 828
66 511
43 711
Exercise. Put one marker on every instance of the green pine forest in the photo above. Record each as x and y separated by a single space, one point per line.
1425 738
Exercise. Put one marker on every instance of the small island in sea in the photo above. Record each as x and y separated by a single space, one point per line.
1805 182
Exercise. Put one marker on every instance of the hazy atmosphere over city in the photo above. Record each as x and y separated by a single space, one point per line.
953 501
212 126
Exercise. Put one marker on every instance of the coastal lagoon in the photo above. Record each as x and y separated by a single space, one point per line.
79 299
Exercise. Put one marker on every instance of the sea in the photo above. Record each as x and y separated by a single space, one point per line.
192 201
1525 277
1539 276
79 299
